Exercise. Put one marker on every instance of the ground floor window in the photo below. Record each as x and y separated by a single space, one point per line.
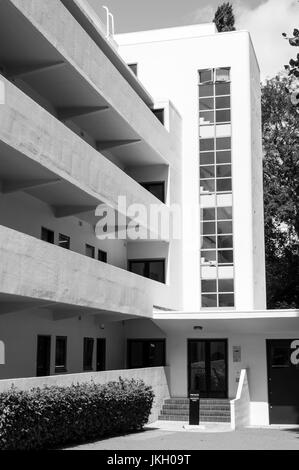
88 345
146 353
61 354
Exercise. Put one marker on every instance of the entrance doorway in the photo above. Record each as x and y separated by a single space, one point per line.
283 382
207 367
43 359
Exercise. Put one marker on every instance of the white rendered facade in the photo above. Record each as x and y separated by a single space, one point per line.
77 130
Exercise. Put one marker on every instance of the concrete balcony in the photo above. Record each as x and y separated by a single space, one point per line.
41 156
35 274
56 58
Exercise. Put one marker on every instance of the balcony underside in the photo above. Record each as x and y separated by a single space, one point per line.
99 103
65 282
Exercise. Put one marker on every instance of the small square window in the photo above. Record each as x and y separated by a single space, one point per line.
222 102
207 172
208 214
226 285
206 90
207 158
224 185
209 300
224 213
206 145
224 171
207 186
206 117
226 300
225 241
102 256
223 75
224 227
208 285
223 115
205 75
225 257
208 228
223 143
208 243
222 89
206 104
208 256
223 157
47 235
90 251
64 241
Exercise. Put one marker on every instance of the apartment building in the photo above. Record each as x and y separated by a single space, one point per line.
165 118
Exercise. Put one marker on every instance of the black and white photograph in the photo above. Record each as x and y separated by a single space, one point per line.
149 228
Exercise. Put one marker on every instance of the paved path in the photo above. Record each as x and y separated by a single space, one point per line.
252 438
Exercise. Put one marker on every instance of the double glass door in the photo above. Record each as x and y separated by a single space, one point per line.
207 367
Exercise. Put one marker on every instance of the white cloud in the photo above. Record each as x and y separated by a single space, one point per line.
266 23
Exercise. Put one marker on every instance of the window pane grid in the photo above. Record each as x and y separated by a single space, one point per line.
215 171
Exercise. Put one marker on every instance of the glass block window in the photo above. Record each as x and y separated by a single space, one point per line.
215 177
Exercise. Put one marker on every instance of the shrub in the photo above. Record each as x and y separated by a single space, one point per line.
55 416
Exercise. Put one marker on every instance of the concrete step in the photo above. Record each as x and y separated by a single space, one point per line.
204 401
206 419
203 406
202 412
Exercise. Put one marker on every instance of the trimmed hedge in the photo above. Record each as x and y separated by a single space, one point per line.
55 416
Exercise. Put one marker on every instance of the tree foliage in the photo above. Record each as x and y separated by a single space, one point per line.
293 69
281 192
224 18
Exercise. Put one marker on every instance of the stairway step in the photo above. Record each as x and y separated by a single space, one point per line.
176 406
206 419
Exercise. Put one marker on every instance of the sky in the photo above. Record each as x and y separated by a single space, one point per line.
265 19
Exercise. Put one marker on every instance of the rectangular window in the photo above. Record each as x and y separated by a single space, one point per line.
207 117
205 76
206 145
222 89
223 102
208 185
224 227
47 235
64 241
224 213
208 256
209 285
223 143
90 251
226 300
222 75
206 104
206 90
88 344
207 158
224 185
209 300
208 214
225 241
208 243
102 256
152 269
226 285
134 68
156 188
223 115
207 172
61 354
208 228
146 353
223 157
225 257
224 171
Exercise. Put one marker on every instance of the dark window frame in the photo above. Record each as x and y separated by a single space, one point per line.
87 246
61 368
67 239
160 115
48 231
88 367
145 341
148 261
102 256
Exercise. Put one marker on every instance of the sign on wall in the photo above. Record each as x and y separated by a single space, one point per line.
236 353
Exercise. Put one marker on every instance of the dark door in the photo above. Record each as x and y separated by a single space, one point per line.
283 382
101 354
207 367
43 359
